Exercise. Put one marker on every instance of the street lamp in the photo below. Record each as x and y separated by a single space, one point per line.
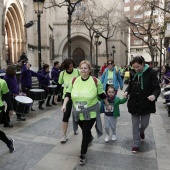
38 8
97 43
113 50
161 36
156 53
126 56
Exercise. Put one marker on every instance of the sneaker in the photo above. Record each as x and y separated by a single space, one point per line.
135 149
113 137
48 105
54 103
64 139
41 108
142 135
8 125
11 146
82 159
21 118
91 139
76 133
107 138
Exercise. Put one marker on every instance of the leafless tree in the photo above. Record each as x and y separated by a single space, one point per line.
70 4
147 27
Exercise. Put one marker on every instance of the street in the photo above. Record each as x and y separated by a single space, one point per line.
38 147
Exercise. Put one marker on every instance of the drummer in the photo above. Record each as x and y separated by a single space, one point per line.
44 83
26 78
14 90
55 75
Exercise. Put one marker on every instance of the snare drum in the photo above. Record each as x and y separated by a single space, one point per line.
37 94
167 96
167 88
22 104
52 89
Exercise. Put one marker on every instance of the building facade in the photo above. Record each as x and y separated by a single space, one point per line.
15 38
151 20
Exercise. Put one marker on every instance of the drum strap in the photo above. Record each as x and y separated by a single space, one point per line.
166 77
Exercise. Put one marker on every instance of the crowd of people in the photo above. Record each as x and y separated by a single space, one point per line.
86 97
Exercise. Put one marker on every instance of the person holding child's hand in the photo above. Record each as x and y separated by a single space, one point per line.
143 90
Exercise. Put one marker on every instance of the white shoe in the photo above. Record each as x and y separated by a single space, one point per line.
107 138
64 139
113 137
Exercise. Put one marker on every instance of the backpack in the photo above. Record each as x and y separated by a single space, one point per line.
94 78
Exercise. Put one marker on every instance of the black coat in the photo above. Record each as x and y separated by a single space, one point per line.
138 103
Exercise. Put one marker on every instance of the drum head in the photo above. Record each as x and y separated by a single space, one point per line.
52 86
167 93
23 99
37 90
168 86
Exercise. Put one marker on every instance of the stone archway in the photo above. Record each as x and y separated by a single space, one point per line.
15 32
78 56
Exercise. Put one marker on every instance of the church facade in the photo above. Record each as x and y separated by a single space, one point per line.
16 38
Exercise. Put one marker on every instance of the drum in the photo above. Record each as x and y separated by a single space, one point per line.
22 104
37 94
167 96
52 89
168 86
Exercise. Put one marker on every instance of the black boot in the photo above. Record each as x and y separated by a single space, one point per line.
40 105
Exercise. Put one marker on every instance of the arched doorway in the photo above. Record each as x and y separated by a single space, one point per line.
78 56
15 32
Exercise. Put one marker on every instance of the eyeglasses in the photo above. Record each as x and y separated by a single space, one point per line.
109 63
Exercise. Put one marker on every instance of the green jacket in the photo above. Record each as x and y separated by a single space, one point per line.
117 102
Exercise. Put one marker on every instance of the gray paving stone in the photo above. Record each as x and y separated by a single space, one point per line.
118 161
26 156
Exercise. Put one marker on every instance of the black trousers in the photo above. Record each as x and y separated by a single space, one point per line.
4 138
67 113
46 96
86 126
5 119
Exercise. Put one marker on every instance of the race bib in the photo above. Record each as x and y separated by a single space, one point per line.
81 105
110 81
105 108
66 85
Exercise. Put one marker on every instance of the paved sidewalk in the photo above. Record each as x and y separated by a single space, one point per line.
38 146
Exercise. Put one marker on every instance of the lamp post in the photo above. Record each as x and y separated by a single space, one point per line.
126 57
113 50
161 36
38 8
156 53
96 43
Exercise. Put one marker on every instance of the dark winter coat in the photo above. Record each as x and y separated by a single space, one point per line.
26 77
12 84
55 74
139 89
45 82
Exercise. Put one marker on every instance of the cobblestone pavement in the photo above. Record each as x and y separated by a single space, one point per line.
38 147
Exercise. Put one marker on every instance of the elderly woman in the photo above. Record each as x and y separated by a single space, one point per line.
84 91
143 91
